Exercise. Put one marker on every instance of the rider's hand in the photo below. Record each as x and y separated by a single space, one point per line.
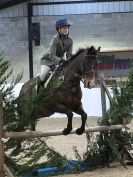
63 62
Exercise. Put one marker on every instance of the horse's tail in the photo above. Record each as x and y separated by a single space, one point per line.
27 92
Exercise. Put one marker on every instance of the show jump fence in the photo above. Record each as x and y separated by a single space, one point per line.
5 171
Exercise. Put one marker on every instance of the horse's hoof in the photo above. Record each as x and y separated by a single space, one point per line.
66 131
79 131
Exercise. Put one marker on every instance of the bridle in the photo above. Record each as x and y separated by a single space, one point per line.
83 69
91 69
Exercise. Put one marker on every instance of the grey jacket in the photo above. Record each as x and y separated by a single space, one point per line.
59 47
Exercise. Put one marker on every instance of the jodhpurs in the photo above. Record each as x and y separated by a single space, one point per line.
44 71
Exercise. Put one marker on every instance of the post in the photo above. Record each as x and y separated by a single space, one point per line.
1 143
103 97
106 90
7 171
29 12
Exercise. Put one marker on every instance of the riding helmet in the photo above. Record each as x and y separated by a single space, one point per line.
62 22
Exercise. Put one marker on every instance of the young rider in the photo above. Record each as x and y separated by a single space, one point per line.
60 49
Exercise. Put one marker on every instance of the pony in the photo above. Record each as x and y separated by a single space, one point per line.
66 98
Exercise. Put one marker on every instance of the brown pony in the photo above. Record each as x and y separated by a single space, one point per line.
67 97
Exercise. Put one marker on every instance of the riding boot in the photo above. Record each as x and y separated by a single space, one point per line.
40 84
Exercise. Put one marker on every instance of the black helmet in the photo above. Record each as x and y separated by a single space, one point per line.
62 22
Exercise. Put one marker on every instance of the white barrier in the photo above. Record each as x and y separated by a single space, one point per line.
35 134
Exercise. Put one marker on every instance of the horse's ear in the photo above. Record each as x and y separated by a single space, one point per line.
91 50
92 47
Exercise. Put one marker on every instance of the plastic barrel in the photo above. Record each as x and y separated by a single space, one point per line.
47 171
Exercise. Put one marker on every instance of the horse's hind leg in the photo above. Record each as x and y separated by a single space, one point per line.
83 114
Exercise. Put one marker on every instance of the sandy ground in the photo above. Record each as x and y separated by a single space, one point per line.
64 145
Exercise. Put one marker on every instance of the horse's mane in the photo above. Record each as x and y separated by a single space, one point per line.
90 50
80 50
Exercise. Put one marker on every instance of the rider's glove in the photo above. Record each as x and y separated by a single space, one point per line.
63 62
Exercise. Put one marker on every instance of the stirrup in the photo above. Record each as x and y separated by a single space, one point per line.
42 83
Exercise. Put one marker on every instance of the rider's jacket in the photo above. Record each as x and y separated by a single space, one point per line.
60 47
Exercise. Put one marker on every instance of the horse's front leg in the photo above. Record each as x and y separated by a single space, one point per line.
67 130
63 109
83 114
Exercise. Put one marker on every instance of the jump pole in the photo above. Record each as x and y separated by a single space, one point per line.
35 134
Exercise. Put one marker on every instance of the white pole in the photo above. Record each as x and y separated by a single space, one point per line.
35 134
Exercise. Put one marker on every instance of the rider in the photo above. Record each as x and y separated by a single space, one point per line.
60 48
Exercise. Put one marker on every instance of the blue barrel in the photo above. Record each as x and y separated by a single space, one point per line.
47 171
69 167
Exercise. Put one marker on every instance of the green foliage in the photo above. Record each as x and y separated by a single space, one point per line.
6 90
4 75
106 147
24 153
32 150
121 107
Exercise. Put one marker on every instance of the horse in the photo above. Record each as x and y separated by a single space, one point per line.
66 98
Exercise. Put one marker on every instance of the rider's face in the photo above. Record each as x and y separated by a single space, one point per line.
64 30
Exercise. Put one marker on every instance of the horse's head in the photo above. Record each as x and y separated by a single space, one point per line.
89 66
84 63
